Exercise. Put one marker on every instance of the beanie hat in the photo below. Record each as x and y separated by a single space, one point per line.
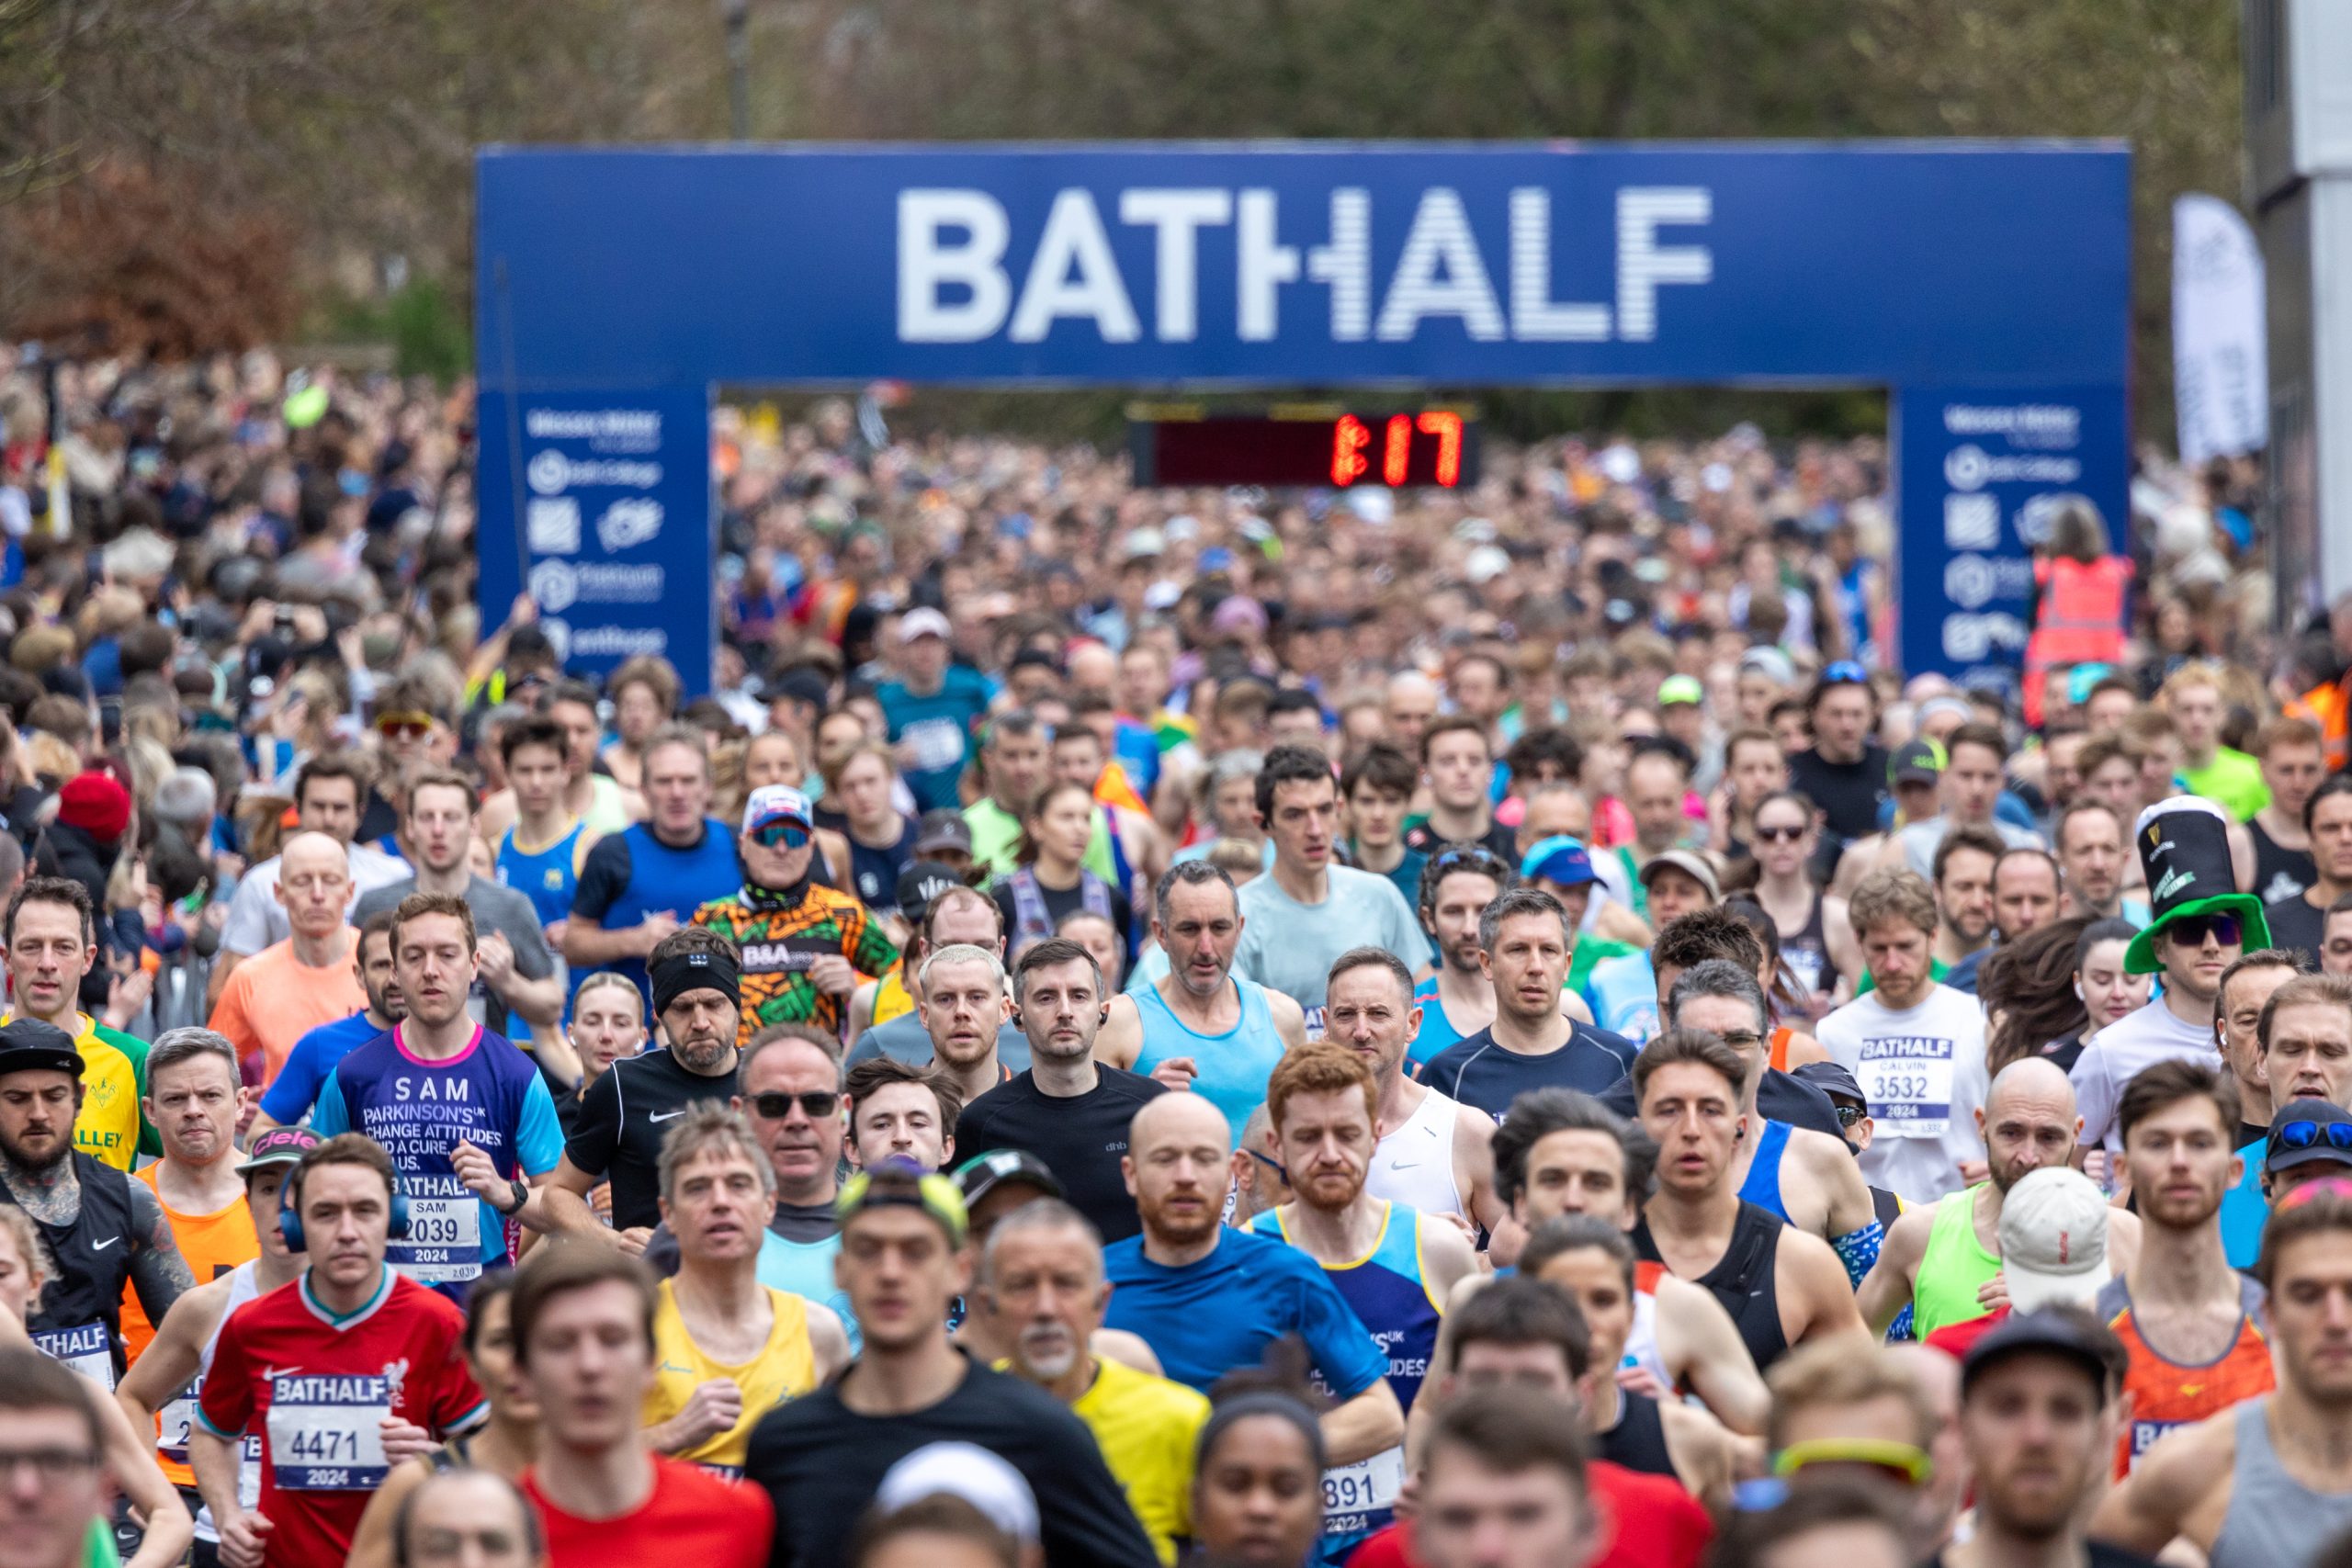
95 803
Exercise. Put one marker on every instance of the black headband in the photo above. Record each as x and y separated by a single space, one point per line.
699 971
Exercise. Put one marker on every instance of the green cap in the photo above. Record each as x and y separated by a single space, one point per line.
1680 689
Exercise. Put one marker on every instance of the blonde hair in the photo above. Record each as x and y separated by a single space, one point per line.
1833 1374
31 1248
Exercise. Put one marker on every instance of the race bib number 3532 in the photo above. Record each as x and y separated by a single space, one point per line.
1907 1079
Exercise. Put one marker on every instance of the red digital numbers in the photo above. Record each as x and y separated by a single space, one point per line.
1349 439
1447 428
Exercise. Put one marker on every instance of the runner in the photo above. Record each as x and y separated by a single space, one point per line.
503 1446
1846 773
2304 1046
1976 759
1307 911
306 978
960 997
1208 1300
2201 926
1816 937
1458 760
193 1101
1432 1152
101 1230
1559 1153
1458 1000
295 1090
465 1118
902 1111
1200 1023
1915 1046
517 992
2245 990
607 1025
1050 878
2292 759
805 947
1392 1266
2025 892
160 1393
952 914
471 1516
1591 1261
2092 860
1807 1179
617 1134
1524 941
327 795
51 945
1624 991
1962 883
1254 1494
729 1349
646 879
596 798
930 707
584 1330
2036 1401
58 1487
1895 1412
821 1457
1014 765
1940 1259
1041 1275
542 855
1378 789
1781 1286
1068 1109
2299 921
335 1409
2190 1323
1854 1116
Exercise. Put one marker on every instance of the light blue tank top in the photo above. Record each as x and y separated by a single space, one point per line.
1623 996
1387 1288
1234 1066
1437 1033
806 1268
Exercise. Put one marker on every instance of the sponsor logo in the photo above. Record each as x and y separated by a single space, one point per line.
606 430
552 527
553 472
628 523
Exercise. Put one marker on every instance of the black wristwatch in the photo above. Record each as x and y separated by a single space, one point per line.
522 1196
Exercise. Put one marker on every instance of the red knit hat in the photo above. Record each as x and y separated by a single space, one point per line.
95 803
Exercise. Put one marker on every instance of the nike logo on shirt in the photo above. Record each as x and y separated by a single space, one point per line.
664 1115
102 1245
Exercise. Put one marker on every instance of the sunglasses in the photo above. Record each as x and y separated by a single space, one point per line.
2193 930
404 725
1845 673
2310 1135
818 1103
1780 835
1849 1114
781 835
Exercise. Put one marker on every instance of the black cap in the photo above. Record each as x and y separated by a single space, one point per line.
801 686
1915 762
2071 1334
943 828
923 881
2307 1147
29 1045
978 1177
1832 1079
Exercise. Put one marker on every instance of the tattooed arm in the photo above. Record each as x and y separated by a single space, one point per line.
158 1272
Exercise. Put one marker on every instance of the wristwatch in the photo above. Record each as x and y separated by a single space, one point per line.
522 1196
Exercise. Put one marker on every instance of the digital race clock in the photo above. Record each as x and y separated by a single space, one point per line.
1302 445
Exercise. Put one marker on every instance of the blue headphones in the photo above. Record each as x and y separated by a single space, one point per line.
289 1216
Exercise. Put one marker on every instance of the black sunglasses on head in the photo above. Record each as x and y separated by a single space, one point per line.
818 1102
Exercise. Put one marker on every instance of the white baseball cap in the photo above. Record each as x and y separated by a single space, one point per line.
966 1471
921 622
2053 1239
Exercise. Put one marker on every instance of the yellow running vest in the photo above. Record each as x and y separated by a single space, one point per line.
785 1369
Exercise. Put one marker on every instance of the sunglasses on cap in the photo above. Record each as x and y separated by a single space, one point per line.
1473 857
780 835
2310 1135
1900 1462
1845 673
818 1103
2192 931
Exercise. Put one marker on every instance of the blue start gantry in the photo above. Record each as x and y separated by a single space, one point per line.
1986 285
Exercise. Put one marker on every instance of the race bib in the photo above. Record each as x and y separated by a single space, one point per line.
935 743
326 1433
1317 1018
1359 1498
86 1349
175 1422
1907 1079
444 1242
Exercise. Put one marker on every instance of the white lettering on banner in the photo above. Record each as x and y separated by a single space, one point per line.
1074 239
552 527
1972 521
954 286
607 430
623 642
558 585
2025 424
628 523
551 472
1970 466
1973 581
1970 638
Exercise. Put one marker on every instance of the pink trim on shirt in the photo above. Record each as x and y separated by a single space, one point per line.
401 1046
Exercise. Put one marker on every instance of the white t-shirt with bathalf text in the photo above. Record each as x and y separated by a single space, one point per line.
1923 1071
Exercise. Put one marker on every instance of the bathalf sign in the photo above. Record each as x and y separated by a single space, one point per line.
616 288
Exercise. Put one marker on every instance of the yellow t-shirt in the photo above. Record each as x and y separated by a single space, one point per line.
110 1127
890 998
1146 1427
785 1369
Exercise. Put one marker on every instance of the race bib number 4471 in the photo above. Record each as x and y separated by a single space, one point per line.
1908 1079
326 1434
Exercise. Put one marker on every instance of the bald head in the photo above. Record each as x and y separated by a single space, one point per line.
1179 1166
307 852
2028 1120
1183 1117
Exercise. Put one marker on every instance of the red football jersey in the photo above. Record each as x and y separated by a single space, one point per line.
691 1517
316 1387
1645 1521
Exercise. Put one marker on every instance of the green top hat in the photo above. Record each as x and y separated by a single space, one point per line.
2184 845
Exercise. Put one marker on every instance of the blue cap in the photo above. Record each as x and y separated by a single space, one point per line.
1558 859
1216 557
